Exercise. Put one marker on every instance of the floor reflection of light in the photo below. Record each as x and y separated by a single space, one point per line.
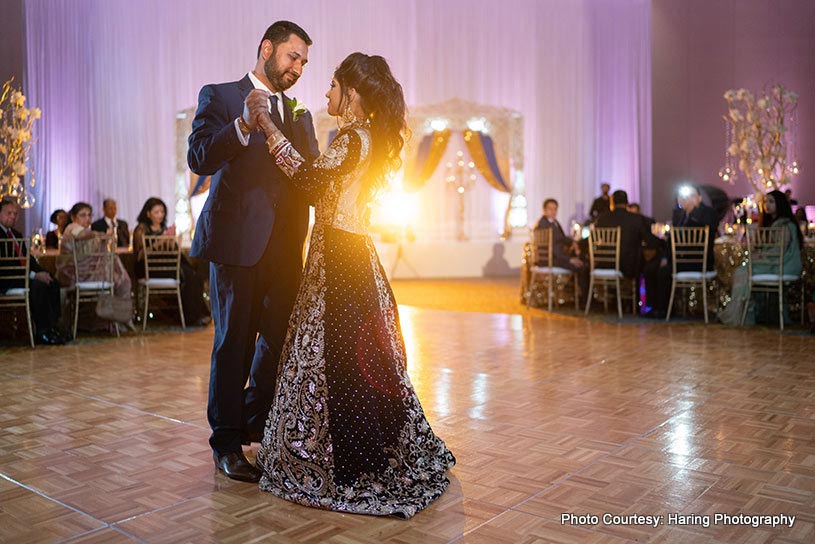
479 396
442 392
680 440
406 316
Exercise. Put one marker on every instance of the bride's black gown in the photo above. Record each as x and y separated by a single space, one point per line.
346 431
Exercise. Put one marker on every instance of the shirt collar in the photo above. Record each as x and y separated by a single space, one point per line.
258 84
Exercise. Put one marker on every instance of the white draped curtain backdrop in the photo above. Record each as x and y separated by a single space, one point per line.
110 76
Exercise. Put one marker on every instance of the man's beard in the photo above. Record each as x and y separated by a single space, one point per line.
274 75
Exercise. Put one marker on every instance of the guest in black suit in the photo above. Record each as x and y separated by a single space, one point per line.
251 229
60 219
110 223
43 298
602 203
691 212
633 233
652 251
565 252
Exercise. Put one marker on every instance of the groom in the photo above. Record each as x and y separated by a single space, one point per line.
251 229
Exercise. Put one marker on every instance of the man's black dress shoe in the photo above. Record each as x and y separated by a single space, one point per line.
49 338
236 467
250 438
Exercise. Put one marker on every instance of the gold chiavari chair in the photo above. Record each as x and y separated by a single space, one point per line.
15 270
689 249
162 267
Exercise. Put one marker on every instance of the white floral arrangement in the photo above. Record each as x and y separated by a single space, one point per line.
759 131
16 124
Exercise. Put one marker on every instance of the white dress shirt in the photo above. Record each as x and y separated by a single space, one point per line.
244 139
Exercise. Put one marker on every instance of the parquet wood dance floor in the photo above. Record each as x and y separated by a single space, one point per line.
106 441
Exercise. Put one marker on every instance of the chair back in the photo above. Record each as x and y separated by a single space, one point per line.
542 247
162 257
604 248
14 269
689 247
765 247
94 261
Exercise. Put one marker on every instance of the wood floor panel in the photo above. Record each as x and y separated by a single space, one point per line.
545 414
26 517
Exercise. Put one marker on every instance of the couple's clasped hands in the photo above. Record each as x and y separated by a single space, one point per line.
256 112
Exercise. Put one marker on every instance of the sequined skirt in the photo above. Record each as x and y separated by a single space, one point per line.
346 431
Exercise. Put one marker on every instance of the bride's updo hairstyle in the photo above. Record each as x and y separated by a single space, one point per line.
383 102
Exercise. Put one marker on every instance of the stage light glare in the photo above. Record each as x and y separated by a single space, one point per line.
477 124
396 208
438 124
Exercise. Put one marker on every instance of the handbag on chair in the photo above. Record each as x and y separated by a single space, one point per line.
112 308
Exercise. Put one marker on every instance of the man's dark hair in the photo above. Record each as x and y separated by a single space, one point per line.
549 201
7 201
619 197
280 31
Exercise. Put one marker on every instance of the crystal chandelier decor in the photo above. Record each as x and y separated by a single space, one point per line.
727 173
16 128
460 177
760 139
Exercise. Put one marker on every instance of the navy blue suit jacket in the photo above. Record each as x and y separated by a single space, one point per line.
248 192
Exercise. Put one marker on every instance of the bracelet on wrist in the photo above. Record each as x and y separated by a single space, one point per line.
243 126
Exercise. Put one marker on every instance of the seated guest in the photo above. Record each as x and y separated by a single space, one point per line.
565 252
110 224
152 221
43 295
633 233
652 250
602 203
80 229
777 213
60 219
691 212
801 215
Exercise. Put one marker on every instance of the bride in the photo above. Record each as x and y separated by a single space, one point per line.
346 431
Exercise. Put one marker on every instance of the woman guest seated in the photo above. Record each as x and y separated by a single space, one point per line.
778 213
79 229
152 221
60 219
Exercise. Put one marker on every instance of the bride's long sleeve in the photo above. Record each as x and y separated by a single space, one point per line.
341 157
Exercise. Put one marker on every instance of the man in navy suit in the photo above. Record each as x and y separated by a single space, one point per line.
251 230
565 252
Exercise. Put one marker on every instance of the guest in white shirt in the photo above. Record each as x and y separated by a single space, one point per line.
111 224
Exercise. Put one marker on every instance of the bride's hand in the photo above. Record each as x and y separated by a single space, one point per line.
266 124
256 101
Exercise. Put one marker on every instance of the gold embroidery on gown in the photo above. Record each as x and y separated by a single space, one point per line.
344 352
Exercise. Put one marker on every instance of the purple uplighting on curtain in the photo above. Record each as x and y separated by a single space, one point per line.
111 75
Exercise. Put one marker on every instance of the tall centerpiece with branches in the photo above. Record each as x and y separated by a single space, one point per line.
759 127
16 125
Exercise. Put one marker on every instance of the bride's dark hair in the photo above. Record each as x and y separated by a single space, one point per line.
383 103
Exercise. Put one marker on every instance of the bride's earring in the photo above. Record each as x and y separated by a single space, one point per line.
348 116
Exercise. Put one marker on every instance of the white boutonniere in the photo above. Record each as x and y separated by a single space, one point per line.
297 108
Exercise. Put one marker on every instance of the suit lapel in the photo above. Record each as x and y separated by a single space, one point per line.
245 86
289 126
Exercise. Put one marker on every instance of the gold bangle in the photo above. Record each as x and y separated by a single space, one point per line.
243 126
274 142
